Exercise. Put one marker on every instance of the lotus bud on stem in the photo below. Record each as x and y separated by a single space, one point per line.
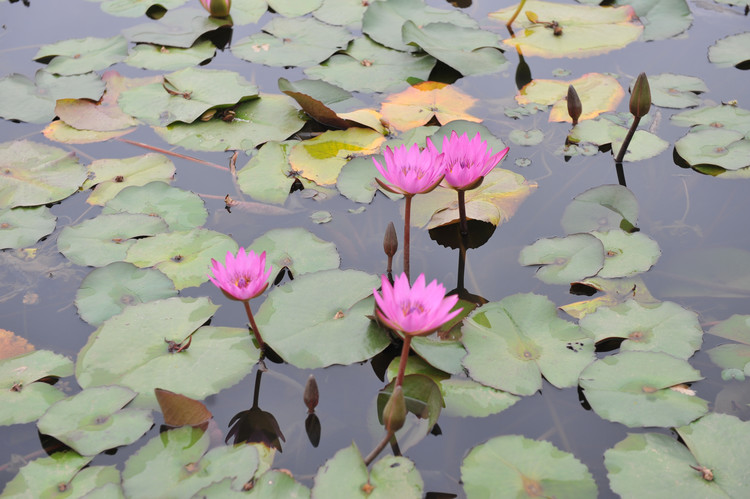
394 416
390 245
217 8
574 105
640 103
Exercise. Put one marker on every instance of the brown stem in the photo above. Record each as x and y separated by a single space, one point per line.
402 364
378 449
462 213
407 235
628 138
256 332
515 14
171 153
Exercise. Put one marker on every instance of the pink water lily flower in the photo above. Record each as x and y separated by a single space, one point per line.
243 277
415 311
410 171
466 162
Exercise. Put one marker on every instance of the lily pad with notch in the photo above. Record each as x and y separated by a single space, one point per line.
722 117
601 208
296 249
626 254
159 57
675 91
177 28
107 177
563 260
725 148
732 355
21 227
603 132
45 476
731 51
615 291
82 55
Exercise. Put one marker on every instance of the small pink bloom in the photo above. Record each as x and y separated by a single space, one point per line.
410 171
467 161
416 311
217 8
244 277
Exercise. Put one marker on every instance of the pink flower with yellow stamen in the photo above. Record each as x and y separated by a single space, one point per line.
465 161
242 277
410 171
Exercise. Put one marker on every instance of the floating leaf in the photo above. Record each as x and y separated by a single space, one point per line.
21 227
599 93
108 290
470 51
23 399
183 256
366 66
59 131
730 51
320 159
728 149
185 95
661 20
297 249
328 327
182 210
357 182
419 103
563 260
177 463
292 42
36 174
723 116
294 8
177 28
179 410
159 57
341 13
346 475
422 395
626 254
105 239
268 176
108 177
664 327
615 292
321 217
152 333
512 343
531 137
603 131
270 117
94 420
634 388
34 102
515 466
601 208
82 55
321 101
587 30
675 91
44 476
444 354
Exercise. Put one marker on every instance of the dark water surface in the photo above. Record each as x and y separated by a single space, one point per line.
679 208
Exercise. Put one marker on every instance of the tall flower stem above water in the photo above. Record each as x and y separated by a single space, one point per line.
640 103
407 235
464 224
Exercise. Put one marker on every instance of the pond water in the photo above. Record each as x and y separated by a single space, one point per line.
682 210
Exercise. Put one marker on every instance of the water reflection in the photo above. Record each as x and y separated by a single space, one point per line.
255 425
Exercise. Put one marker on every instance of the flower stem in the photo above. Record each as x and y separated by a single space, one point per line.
378 449
462 213
626 142
407 235
256 332
402 364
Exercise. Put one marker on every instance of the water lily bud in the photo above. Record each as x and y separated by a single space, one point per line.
390 241
394 412
640 97
217 8
574 104
311 393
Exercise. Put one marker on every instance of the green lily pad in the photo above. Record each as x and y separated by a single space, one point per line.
356 180
107 177
512 343
183 256
675 91
59 131
346 475
292 42
728 149
531 137
330 324
512 466
151 333
601 208
730 51
587 30
82 55
177 28
615 291
182 210
470 51
35 174
268 177
248 11
638 389
665 467
23 399
723 116
495 201
271 484
178 463
423 398
43 477
21 227
341 13
105 239
159 57
34 102
270 117
445 355
320 159
297 249
731 356
563 260
294 8
383 20
366 66
603 131
626 254
321 217
185 95
665 327
736 328
94 420
108 290
661 20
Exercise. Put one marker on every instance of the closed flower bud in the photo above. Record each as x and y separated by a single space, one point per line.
311 393
640 97
217 8
574 104
394 412
390 241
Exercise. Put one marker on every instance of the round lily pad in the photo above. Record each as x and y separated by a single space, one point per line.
663 327
723 116
108 177
94 420
728 149
21 227
329 324
44 476
730 51
297 249
181 209
626 254
675 91
564 260
602 208
512 466
531 137
267 177
82 55
177 28
512 343
106 291
638 389
159 57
